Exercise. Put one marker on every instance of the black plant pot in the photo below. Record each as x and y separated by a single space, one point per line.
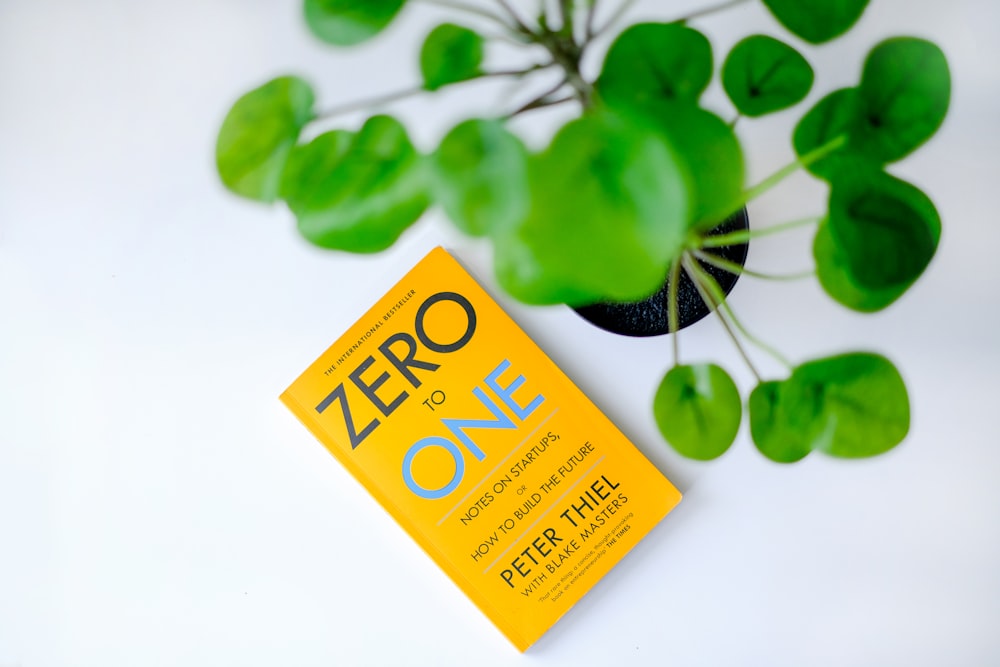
649 317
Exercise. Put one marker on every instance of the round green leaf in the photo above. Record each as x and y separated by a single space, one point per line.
349 22
710 150
887 229
656 61
481 177
356 192
904 94
775 424
836 280
450 54
610 209
257 135
901 101
817 21
850 406
762 75
833 116
698 410
860 404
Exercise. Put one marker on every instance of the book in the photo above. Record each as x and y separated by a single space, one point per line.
506 474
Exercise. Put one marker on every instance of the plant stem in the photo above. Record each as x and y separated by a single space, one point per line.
589 22
566 14
736 269
521 25
472 9
673 318
540 103
697 276
744 235
712 287
710 10
370 102
805 161
410 92
620 12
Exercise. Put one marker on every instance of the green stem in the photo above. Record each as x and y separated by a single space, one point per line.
620 12
589 22
543 100
541 103
737 269
472 9
710 10
566 14
370 102
709 283
521 25
696 274
673 317
410 92
801 163
744 235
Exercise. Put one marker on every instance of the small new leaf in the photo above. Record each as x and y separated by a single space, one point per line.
698 410
817 21
349 22
356 192
762 75
651 62
481 177
450 54
257 135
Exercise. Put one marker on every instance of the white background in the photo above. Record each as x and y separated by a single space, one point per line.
158 505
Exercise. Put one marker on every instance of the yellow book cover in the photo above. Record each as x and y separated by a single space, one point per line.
520 489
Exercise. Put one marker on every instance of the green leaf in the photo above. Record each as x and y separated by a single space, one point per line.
762 75
850 406
356 192
904 94
656 61
775 424
833 116
709 149
349 22
863 406
481 177
450 54
880 236
610 208
817 21
902 99
831 270
257 135
698 410
888 228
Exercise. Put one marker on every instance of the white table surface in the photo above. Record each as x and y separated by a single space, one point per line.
159 506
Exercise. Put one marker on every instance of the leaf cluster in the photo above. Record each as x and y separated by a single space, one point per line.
627 193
